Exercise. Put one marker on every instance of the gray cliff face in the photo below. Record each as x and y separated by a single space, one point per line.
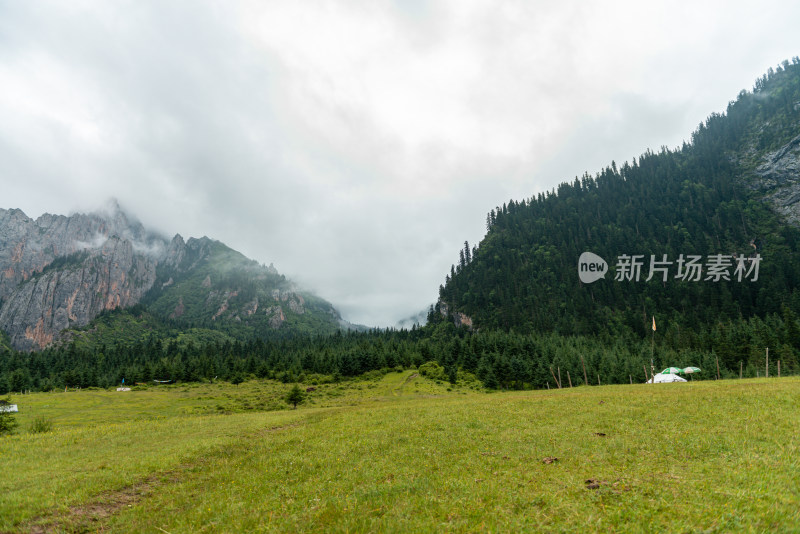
779 179
28 246
58 272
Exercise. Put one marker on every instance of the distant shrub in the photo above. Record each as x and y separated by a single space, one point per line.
41 425
468 378
432 370
323 379
375 374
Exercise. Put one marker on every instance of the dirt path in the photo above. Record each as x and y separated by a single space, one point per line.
91 516
408 379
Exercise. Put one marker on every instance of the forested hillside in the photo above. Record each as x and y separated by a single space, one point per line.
214 287
717 195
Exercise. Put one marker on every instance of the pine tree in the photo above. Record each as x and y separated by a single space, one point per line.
7 421
491 380
452 374
295 396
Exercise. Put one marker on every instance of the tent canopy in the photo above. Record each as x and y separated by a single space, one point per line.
663 378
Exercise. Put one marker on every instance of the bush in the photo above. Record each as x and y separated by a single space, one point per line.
432 370
41 424
375 374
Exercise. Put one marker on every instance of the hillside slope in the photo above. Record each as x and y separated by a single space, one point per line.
730 197
210 285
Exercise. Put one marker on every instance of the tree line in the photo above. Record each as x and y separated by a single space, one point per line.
499 359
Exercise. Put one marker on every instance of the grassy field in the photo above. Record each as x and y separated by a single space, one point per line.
399 453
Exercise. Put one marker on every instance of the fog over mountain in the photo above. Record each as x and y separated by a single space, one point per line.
356 147
59 273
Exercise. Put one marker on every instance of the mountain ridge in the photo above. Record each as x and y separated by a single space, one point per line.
733 191
59 272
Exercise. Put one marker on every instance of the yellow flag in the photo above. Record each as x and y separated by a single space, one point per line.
654 323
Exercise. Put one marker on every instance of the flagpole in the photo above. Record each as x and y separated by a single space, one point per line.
652 350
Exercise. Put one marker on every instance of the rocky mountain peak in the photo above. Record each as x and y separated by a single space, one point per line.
59 272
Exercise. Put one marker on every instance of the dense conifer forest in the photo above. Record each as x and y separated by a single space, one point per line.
702 199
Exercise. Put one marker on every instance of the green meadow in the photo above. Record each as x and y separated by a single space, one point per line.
397 452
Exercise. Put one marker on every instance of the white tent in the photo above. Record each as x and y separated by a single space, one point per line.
664 378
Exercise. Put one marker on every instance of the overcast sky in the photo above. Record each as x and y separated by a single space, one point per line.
356 145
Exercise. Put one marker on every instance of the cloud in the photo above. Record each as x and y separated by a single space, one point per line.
97 242
355 145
